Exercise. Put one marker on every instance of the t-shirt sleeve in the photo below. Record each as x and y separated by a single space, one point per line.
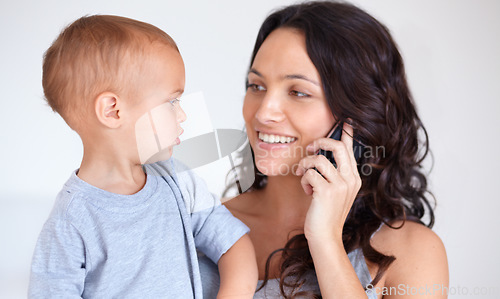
58 265
215 229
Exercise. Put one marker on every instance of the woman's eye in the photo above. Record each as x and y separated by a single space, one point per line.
298 93
255 87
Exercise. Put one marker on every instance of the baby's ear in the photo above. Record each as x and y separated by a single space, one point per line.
107 108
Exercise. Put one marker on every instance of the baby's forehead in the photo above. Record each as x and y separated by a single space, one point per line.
144 50
161 66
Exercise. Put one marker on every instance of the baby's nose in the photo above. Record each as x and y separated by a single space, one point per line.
181 115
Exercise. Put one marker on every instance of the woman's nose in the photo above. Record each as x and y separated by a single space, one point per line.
270 109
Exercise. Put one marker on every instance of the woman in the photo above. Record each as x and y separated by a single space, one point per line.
346 230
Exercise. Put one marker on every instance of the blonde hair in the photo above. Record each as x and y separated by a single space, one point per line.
92 55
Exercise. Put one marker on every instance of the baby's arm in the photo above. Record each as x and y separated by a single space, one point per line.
58 266
238 270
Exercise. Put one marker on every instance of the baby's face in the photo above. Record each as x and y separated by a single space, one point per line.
157 128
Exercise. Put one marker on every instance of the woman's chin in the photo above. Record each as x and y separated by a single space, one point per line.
276 168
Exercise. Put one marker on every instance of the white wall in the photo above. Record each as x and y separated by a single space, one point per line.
451 51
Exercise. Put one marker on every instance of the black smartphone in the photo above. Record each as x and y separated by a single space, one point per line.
336 134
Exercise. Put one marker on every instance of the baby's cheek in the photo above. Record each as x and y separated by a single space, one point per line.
156 132
164 122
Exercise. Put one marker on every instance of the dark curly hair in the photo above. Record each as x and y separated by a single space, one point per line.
363 80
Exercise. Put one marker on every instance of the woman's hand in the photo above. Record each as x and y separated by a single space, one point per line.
333 191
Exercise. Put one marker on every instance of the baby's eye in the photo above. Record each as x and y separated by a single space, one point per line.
256 87
174 102
298 93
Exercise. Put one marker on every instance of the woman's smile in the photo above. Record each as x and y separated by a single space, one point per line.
275 138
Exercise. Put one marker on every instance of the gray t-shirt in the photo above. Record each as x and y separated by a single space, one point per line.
98 244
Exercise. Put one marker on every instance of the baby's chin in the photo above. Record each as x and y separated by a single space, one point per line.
162 155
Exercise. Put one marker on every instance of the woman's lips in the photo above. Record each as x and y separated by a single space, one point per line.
268 140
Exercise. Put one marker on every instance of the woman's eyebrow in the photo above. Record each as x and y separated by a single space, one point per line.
254 71
287 77
301 77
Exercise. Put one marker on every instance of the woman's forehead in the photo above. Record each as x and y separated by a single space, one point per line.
283 54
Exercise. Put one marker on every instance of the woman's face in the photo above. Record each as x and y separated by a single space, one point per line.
285 107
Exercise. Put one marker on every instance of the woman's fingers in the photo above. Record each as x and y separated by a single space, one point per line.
340 153
311 180
321 163
343 151
347 136
348 139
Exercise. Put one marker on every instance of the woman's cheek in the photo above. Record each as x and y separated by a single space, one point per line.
250 108
245 109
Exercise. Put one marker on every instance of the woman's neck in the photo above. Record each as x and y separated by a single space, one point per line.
284 199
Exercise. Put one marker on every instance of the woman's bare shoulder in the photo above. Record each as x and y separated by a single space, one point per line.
420 255
405 236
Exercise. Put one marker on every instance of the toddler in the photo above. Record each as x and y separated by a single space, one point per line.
127 222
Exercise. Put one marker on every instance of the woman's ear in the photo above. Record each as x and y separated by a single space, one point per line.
107 108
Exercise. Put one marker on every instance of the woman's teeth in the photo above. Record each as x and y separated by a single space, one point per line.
269 138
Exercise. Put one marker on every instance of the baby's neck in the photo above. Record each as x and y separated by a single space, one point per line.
112 173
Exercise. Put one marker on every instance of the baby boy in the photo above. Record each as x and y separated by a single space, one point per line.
126 224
